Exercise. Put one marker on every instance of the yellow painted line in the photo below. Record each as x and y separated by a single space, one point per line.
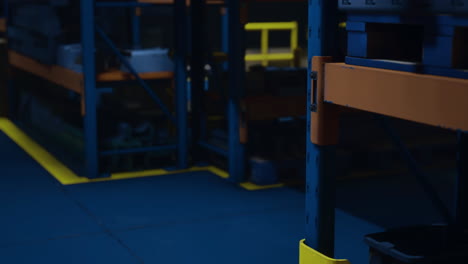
67 177
221 173
63 174
140 174
254 187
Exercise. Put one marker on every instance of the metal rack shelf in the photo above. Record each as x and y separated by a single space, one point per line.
86 83
240 109
428 99
74 80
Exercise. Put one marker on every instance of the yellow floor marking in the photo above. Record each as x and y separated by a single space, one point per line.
254 187
63 174
221 173
67 177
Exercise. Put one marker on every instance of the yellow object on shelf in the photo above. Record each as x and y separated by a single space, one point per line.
308 255
265 28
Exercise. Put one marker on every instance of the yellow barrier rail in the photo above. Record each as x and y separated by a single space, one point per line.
265 28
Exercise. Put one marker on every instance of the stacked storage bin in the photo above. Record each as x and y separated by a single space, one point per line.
35 31
421 36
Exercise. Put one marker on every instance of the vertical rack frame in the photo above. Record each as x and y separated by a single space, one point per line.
232 43
320 203
88 42
236 77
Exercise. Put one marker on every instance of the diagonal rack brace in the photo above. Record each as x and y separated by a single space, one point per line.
417 171
142 83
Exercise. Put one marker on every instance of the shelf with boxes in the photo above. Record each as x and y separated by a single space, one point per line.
421 44
275 107
83 58
261 94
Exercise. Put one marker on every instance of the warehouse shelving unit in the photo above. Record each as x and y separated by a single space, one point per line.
427 99
240 109
88 83
232 45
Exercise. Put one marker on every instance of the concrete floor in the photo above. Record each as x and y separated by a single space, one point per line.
185 218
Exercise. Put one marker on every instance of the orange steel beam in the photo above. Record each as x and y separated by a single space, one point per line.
56 74
117 75
217 2
427 99
73 80
2 24
168 2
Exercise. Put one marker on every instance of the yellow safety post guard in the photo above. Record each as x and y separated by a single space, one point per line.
311 256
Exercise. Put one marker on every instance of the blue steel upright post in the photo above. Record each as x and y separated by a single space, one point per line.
320 188
236 85
462 181
180 17
225 33
5 9
197 10
136 34
11 91
90 98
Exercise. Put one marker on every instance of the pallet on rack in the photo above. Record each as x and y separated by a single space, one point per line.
419 44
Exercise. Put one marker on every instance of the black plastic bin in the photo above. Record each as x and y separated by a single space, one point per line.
418 244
